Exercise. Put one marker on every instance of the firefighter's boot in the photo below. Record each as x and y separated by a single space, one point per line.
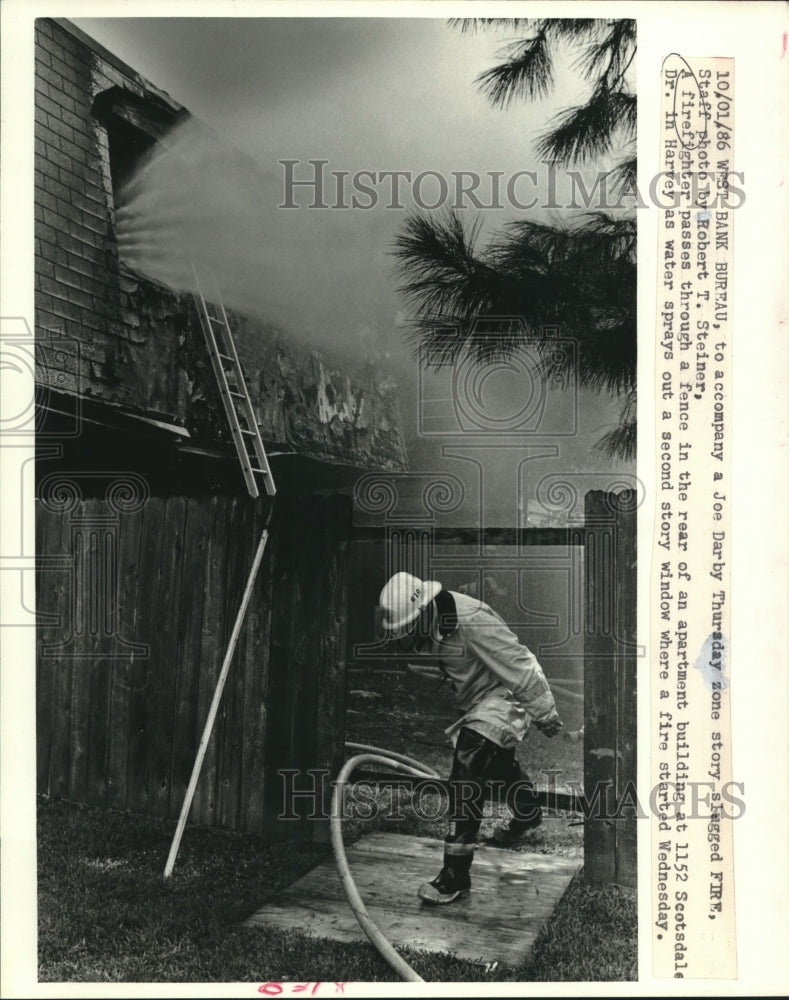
453 881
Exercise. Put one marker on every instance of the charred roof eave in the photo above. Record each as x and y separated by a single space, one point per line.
148 114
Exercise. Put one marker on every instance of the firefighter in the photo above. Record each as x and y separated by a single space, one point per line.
500 689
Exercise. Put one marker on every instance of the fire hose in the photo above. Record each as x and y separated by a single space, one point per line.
406 765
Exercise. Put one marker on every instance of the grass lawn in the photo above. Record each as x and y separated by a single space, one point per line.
106 913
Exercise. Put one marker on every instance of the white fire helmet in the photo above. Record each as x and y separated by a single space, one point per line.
403 598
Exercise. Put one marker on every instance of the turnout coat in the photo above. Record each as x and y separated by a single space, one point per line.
499 684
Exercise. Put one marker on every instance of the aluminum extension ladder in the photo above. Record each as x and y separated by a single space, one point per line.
233 390
254 463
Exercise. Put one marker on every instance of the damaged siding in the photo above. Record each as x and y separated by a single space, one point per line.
106 333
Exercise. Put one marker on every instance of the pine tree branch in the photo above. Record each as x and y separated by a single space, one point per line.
585 132
527 72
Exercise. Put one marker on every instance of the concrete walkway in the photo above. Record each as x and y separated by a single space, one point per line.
513 894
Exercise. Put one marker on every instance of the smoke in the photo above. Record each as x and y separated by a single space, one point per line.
197 199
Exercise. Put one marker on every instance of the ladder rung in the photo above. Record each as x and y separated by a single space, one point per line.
230 377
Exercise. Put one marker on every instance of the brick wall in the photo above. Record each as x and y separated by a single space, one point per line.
106 333
75 290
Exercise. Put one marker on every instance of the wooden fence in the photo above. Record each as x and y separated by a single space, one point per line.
610 704
137 607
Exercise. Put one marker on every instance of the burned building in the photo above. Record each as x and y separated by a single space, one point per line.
145 531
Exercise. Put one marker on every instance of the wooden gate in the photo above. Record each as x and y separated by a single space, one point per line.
607 539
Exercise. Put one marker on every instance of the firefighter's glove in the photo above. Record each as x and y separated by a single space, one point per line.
550 726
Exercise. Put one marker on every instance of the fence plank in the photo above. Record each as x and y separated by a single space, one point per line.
230 805
60 599
332 642
86 645
225 611
312 607
117 545
143 674
197 608
127 777
119 723
609 683
254 661
281 691
49 601
104 554
43 674
164 657
214 629
228 738
627 705
310 562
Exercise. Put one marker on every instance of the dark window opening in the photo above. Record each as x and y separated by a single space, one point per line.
129 150
134 125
